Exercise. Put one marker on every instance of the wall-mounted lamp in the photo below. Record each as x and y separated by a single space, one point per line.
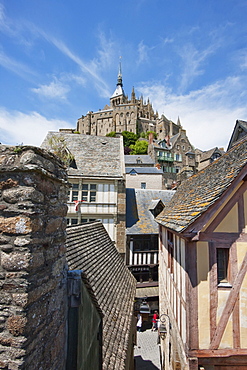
163 327
162 331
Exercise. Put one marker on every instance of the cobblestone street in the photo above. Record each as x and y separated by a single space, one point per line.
147 351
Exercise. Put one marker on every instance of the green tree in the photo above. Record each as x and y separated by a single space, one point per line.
111 134
140 147
129 138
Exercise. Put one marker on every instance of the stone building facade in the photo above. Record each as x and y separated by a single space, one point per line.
175 155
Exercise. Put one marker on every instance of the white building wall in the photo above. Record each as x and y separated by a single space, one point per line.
152 181
104 209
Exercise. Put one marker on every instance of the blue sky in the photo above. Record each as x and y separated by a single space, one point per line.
59 59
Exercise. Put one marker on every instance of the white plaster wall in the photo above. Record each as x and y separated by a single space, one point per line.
152 181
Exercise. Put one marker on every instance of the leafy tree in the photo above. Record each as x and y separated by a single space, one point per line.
111 134
129 138
140 147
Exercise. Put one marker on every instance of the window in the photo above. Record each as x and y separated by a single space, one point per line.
170 250
73 193
143 185
72 221
84 220
222 264
89 192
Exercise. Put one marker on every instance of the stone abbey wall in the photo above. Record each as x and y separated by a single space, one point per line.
33 270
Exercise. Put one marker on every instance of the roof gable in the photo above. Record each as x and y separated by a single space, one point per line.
239 131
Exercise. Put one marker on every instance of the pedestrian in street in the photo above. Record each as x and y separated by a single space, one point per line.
139 322
154 321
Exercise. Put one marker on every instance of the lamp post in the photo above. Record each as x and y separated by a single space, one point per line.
164 334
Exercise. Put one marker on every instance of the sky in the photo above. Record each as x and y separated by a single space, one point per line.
59 59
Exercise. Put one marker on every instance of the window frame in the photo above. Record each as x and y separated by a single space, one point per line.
223 277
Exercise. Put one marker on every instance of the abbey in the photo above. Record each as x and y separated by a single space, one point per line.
124 114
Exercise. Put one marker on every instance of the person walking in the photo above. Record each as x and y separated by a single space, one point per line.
139 322
154 321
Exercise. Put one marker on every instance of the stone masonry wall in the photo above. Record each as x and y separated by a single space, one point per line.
33 270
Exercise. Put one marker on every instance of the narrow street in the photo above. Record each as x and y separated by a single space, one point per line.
147 351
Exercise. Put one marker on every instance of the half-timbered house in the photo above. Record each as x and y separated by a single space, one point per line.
203 264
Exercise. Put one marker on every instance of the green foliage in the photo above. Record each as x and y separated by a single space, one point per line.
58 146
112 134
129 138
17 149
140 147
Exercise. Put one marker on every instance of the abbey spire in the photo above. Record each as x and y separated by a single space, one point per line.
118 96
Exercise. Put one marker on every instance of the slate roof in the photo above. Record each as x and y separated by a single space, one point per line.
132 159
139 202
240 130
196 194
89 248
145 170
95 156
208 154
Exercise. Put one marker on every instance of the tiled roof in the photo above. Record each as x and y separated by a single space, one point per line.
90 249
139 218
147 170
94 155
196 194
239 131
208 153
132 159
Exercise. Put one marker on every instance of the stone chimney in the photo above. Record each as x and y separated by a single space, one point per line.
150 138
33 267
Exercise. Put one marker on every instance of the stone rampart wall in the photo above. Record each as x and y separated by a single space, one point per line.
33 270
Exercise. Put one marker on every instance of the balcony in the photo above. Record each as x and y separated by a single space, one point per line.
165 158
144 257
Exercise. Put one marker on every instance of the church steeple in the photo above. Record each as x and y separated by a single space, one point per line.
119 77
133 95
118 96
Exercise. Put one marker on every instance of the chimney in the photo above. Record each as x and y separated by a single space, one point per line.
150 138
167 139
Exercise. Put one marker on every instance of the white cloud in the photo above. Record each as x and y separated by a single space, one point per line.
208 115
192 60
106 51
167 40
16 67
28 129
55 90
88 68
142 52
